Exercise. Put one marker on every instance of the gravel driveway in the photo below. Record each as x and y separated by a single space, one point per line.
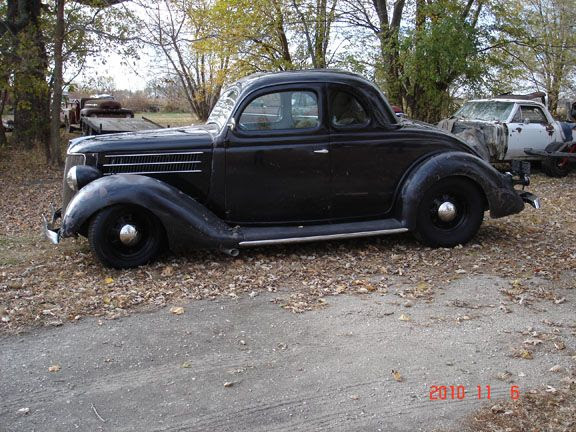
247 365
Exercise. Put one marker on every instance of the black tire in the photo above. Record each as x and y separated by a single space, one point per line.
556 167
468 200
104 236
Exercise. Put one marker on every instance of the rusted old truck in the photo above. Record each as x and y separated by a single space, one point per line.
101 114
510 128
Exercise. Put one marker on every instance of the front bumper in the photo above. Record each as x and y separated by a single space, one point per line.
530 198
49 226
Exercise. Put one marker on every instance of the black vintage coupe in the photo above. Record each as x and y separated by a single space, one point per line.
284 158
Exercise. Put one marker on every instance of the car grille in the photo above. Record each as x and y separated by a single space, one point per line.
71 161
152 163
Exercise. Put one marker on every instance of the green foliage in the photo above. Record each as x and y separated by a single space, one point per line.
438 53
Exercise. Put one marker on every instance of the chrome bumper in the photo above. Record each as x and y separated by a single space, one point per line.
531 199
48 227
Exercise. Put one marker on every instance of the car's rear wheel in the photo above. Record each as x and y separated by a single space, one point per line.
125 236
450 213
556 167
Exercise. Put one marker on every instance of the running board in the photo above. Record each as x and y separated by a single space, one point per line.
302 234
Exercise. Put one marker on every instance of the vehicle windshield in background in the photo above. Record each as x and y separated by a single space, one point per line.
223 108
486 110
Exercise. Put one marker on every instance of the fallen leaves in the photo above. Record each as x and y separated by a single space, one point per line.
177 310
397 376
34 273
404 317
54 368
523 354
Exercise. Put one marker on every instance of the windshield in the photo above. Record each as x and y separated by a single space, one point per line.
223 108
486 110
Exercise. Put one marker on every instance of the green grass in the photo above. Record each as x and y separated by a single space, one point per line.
169 119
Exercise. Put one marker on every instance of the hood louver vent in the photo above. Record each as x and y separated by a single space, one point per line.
152 163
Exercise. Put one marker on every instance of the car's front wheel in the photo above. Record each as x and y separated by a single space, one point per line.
450 213
125 236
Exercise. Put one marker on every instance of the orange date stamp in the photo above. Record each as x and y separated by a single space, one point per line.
459 392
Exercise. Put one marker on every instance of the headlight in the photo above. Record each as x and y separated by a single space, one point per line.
80 175
72 178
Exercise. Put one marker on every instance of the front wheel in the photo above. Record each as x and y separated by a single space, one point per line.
125 236
450 213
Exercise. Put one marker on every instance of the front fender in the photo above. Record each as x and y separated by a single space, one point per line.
185 220
501 197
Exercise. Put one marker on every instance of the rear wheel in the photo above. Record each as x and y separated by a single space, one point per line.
556 167
125 236
450 213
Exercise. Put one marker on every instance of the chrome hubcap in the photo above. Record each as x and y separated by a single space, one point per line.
447 212
129 235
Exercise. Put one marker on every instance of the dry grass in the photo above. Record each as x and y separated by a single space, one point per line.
169 119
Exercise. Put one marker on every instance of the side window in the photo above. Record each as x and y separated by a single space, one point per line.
518 116
534 114
346 110
281 110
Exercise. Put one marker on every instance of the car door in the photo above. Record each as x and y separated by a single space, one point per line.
277 159
529 128
367 159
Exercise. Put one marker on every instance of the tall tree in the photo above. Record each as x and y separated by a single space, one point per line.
424 49
183 34
27 50
255 33
315 19
538 38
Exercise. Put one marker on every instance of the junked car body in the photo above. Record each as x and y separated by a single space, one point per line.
284 158
500 129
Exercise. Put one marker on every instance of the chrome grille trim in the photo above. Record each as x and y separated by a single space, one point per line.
153 154
152 163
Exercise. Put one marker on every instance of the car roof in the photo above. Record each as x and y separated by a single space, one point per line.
518 101
263 79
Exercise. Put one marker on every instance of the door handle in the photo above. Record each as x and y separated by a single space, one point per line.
323 151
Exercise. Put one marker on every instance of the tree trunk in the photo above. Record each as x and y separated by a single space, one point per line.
55 140
3 139
31 91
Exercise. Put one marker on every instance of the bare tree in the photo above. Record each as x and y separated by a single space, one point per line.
316 18
182 33
540 40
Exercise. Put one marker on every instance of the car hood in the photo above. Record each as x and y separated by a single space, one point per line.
434 130
182 138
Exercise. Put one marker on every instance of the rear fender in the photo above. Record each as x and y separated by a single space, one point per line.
501 198
187 222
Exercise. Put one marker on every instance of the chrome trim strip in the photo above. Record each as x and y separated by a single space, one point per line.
151 163
152 154
323 237
155 172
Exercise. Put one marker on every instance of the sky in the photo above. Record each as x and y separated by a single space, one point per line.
128 74
126 77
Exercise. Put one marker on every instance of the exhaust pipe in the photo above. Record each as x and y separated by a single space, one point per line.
231 252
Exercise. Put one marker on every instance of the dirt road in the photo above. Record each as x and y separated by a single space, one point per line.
247 365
